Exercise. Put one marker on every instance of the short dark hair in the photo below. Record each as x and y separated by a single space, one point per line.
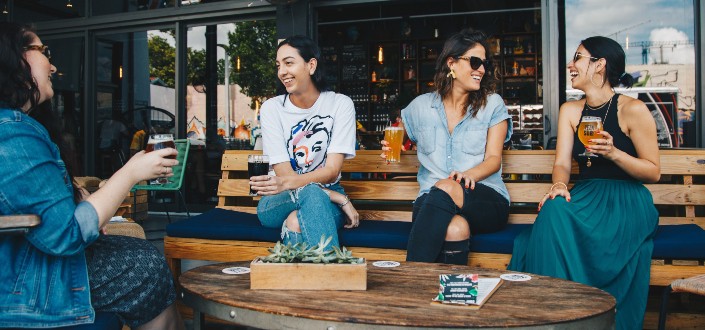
612 52
17 86
456 46
308 49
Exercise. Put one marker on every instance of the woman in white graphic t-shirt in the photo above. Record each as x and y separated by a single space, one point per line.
307 132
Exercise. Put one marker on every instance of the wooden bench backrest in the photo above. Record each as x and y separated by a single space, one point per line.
681 189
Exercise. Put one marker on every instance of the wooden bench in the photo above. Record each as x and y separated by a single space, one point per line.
677 195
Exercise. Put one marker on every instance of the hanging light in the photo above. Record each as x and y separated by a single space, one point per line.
380 55
237 65
4 9
69 4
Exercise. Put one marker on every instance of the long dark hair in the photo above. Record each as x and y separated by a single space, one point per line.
308 49
17 86
456 46
612 52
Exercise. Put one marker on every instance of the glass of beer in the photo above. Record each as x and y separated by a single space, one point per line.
588 129
157 142
257 165
394 136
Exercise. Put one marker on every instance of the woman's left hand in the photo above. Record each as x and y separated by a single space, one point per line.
603 146
460 176
266 185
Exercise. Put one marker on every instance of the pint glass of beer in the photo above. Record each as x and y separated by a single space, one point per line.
394 135
257 165
588 129
157 142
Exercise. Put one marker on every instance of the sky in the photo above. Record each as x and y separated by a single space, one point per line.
638 20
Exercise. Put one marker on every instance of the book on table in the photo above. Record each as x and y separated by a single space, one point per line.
465 290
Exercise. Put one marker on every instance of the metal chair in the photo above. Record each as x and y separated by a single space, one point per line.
19 225
695 285
175 182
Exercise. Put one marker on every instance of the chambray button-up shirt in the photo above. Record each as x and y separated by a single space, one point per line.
440 152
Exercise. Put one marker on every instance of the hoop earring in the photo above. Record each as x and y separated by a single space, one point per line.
602 83
451 74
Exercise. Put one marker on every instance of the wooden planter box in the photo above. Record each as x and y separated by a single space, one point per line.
307 276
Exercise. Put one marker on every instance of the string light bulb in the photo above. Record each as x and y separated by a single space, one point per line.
237 65
380 55
69 4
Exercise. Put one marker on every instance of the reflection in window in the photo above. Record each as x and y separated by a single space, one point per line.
39 11
658 40
121 6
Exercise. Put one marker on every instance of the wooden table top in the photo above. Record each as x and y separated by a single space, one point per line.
397 297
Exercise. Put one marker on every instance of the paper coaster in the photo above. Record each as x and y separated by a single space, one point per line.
236 270
385 264
515 277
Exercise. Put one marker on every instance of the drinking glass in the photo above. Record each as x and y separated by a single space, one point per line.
257 165
394 135
157 142
588 129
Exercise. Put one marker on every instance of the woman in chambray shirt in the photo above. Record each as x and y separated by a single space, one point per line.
63 270
460 130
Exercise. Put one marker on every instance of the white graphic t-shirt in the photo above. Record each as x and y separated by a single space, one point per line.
304 137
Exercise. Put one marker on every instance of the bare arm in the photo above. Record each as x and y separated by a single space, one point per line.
641 129
143 166
288 179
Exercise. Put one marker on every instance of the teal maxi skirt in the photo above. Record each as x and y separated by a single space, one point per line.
603 238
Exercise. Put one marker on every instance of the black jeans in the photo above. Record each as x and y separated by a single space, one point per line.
483 208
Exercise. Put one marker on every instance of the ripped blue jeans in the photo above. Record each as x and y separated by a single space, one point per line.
317 215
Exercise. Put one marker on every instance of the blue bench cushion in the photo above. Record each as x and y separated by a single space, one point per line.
679 242
671 242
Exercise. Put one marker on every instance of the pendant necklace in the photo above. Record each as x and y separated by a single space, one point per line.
609 105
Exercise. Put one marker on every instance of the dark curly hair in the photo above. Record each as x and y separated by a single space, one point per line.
17 86
456 46
308 49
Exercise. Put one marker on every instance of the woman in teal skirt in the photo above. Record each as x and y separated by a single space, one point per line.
599 233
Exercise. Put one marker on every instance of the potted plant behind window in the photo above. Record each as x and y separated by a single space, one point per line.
299 267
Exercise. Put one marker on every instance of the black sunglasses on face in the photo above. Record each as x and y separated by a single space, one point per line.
577 56
44 49
475 62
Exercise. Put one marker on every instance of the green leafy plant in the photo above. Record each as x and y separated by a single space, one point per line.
301 252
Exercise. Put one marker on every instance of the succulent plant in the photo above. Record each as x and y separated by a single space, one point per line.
301 252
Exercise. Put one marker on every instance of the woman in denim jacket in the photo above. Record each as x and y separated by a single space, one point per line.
63 270
307 132
460 130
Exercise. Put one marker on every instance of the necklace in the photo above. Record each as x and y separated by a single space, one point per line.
599 106
609 105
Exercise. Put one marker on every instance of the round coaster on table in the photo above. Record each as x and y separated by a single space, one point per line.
515 277
385 264
236 270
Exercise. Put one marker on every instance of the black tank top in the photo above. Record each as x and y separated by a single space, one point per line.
602 168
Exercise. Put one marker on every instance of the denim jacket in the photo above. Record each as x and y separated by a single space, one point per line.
440 152
44 276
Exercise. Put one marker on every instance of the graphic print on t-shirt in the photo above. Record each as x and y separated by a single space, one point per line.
308 143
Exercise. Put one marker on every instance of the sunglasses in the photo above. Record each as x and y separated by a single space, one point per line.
577 56
44 49
475 62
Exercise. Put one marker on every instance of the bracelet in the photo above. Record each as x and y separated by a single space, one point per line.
347 200
554 185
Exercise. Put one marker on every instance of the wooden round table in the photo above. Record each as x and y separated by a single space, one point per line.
396 298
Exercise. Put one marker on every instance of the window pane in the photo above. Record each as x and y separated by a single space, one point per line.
28 11
134 93
121 6
658 39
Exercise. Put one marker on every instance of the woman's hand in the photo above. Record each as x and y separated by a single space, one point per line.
460 176
147 166
353 218
385 148
266 185
604 146
558 189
